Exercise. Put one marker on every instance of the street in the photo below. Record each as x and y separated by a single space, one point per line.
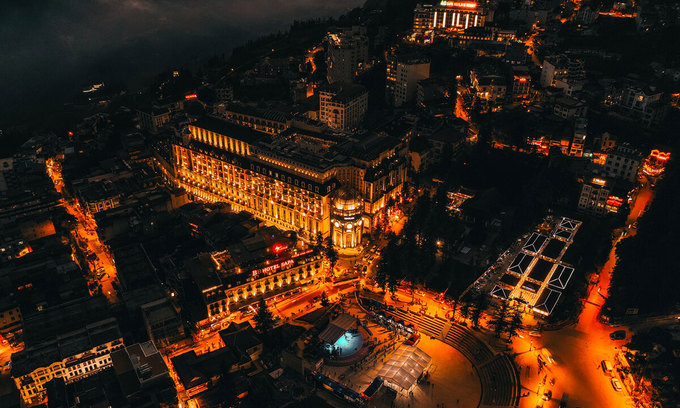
85 233
577 350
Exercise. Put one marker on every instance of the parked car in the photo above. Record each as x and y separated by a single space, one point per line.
616 383
618 335
607 366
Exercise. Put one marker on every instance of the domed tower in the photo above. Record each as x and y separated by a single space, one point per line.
346 223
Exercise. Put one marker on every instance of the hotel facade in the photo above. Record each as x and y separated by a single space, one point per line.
288 180
448 15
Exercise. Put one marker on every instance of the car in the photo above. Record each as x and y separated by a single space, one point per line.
618 335
547 396
100 269
607 366
564 401
616 383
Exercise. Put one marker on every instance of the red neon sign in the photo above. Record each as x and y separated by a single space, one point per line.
278 248
190 96
459 4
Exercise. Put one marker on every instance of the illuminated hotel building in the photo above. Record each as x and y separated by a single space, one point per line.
454 15
287 179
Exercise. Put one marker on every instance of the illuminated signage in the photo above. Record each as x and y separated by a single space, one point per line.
656 163
458 4
614 201
190 96
271 268
599 182
308 251
278 248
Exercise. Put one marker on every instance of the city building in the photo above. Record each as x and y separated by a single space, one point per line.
433 94
402 77
569 86
579 139
140 368
224 91
637 101
346 53
241 338
343 105
594 195
229 284
199 373
447 16
10 318
623 162
568 107
485 34
286 180
263 120
154 118
72 355
488 85
346 218
96 196
561 67
521 82
163 323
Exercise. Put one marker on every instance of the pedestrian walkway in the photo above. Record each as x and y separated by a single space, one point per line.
498 374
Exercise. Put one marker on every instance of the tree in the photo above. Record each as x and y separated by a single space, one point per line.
479 304
499 322
514 323
330 253
324 299
464 310
318 242
453 308
392 285
264 320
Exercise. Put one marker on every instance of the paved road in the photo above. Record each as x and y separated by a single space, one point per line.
578 349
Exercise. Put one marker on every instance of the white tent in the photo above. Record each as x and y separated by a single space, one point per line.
407 364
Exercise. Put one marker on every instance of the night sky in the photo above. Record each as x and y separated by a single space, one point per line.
50 48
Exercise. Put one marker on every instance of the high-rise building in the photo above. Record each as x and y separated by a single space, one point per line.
448 15
346 53
343 105
287 179
402 77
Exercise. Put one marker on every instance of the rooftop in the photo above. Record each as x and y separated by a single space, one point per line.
344 92
222 127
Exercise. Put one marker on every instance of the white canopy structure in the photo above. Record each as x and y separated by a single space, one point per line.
402 371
